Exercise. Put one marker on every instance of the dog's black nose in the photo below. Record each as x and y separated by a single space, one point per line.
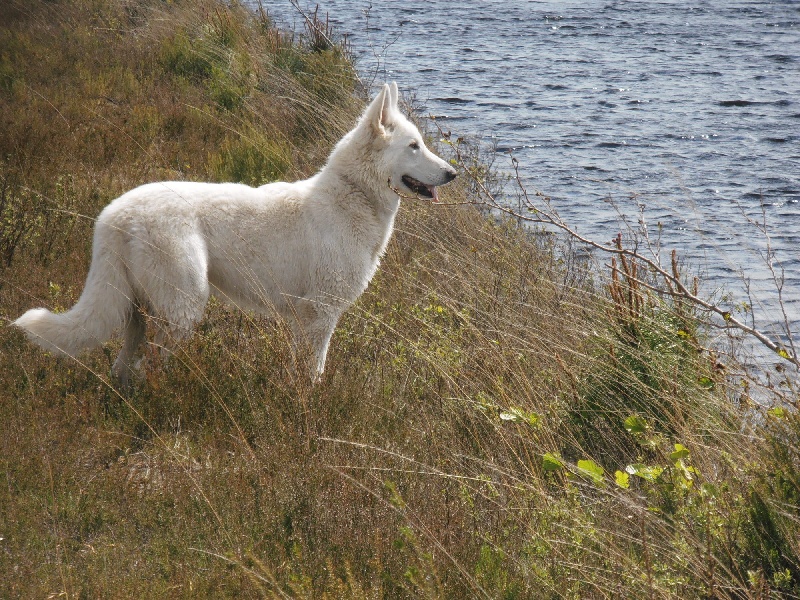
451 174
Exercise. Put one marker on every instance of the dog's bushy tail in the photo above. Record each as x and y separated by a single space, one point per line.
104 305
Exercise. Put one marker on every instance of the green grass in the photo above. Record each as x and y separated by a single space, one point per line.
494 420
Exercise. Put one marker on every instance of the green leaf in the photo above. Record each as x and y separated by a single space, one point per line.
635 424
645 472
783 353
622 479
533 419
653 442
778 412
517 414
591 470
552 462
686 472
680 453
394 495
709 489
706 383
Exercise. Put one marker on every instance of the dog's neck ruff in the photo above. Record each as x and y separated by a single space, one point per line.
363 181
384 202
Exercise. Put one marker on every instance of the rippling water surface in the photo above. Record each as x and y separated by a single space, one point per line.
691 109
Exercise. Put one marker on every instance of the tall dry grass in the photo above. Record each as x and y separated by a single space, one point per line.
497 419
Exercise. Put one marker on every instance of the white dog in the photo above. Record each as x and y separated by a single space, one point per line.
303 251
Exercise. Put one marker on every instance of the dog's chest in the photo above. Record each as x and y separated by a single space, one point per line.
354 248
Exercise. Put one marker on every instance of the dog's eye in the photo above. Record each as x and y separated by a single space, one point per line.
414 145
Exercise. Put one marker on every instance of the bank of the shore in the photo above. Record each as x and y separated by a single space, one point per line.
685 112
494 421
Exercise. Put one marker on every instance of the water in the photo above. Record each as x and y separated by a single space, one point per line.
691 110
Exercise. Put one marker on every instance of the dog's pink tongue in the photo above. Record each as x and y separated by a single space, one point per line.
434 193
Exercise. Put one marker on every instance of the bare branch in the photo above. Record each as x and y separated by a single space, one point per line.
541 211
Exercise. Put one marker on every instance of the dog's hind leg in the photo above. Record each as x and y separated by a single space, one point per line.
176 287
123 368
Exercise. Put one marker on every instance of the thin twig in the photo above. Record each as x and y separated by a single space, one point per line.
544 213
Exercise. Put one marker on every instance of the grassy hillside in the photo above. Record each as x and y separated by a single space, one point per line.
496 419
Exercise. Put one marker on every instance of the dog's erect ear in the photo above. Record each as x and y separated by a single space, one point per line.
394 95
379 113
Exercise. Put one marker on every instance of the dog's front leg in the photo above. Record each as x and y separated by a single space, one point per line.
319 346
312 330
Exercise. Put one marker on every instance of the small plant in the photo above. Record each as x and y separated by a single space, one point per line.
648 362
247 161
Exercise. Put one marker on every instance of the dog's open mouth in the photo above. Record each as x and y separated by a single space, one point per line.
419 188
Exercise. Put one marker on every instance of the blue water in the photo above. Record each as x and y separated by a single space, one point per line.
689 109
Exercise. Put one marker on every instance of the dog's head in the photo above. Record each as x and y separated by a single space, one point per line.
403 157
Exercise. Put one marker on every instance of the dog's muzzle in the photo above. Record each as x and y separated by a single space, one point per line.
425 190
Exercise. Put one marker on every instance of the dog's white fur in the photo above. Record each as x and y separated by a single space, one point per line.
302 251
